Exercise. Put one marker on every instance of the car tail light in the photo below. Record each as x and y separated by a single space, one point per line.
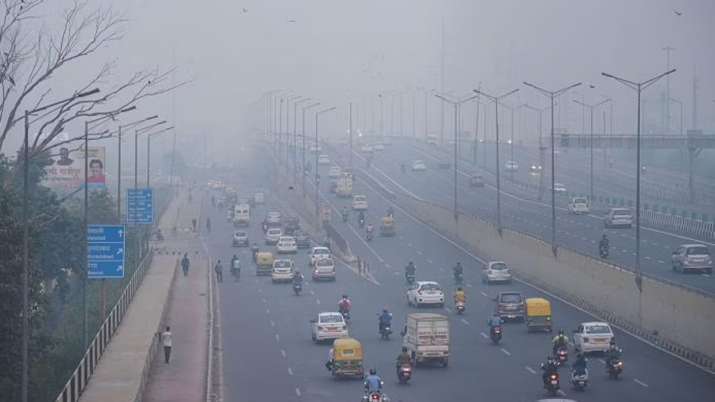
554 377
375 397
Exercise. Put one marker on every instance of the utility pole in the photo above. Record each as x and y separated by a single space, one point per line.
591 109
302 165
666 120
441 85
350 133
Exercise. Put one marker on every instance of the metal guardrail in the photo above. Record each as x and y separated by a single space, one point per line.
81 375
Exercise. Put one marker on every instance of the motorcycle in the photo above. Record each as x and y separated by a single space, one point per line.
404 373
459 306
385 332
368 235
375 397
346 316
615 368
410 278
579 381
562 355
495 334
552 383
361 222
345 216
297 288
458 278
603 251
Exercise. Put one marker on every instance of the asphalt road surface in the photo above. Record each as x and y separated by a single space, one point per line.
268 354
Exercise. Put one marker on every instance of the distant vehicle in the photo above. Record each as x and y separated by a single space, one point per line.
334 172
366 148
324 269
273 219
378 147
286 244
579 205
359 202
242 215
444 164
692 257
259 197
496 272
618 217
314 149
302 240
432 139
510 305
419 166
535 169
273 235
476 181
426 337
425 293
240 238
282 271
511 166
345 185
592 337
559 188
328 326
323 160
318 253
292 224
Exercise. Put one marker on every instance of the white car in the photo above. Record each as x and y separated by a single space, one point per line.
282 271
511 166
378 147
579 205
359 202
323 160
432 139
366 148
592 337
328 326
273 235
559 188
287 244
424 293
334 172
318 253
536 169
419 166
496 271
240 238
314 149
324 269
618 217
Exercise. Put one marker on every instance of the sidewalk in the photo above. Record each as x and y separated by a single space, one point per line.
121 374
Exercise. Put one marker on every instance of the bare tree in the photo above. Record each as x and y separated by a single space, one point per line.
31 57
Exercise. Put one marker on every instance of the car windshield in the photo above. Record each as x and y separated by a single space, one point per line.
319 251
431 287
598 329
324 263
511 298
360 198
700 250
499 266
331 319
622 212
282 264
580 201
274 231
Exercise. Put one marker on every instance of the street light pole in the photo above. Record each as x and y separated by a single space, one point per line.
638 87
681 114
136 149
541 147
350 133
496 100
302 165
552 95
295 139
591 108
119 160
148 151
317 175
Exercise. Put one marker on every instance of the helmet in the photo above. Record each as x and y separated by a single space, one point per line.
384 310
459 263
404 349
345 296
373 371
561 332
411 263
459 289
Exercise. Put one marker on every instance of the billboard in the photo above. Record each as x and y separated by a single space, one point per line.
65 173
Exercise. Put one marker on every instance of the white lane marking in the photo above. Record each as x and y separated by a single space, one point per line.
317 301
469 285
484 294
641 383
647 258
264 301
409 244
297 391
529 369
312 293
465 321
290 371
506 352
485 336
278 338
602 361
268 311
661 262
419 252
283 353
560 392
388 266
430 261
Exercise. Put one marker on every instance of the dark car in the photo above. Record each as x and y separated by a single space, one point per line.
301 239
240 238
510 305
292 224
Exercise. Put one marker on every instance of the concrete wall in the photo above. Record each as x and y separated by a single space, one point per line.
677 318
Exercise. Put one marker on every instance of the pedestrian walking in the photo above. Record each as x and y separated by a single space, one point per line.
166 341
185 263
219 271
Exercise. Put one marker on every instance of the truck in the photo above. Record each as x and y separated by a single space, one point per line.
345 185
241 215
426 337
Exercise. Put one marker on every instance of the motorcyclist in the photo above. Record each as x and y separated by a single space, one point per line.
373 382
410 269
548 368
613 352
390 211
344 305
403 359
369 229
579 366
235 265
458 270
344 212
560 341
361 218
385 320
297 278
254 251
459 296
603 244
494 321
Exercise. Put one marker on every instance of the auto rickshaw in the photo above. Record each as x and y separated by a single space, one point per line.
387 227
264 263
538 314
347 358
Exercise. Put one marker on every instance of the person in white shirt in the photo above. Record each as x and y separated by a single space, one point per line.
166 341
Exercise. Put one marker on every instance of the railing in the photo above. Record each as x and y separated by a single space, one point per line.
81 375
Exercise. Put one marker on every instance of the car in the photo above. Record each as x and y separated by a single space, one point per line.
259 197
302 240
323 159
559 188
425 293
273 219
444 164
318 253
419 166
618 218
328 326
314 149
476 181
511 166
359 202
324 269
287 244
536 169
240 238
510 305
432 139
579 205
292 224
273 235
366 148
692 257
334 172
592 337
495 272
283 270
378 147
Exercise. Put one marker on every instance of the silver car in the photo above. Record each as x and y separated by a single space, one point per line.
495 272
618 217
692 257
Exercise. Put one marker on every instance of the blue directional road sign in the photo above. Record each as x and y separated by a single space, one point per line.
105 251
140 206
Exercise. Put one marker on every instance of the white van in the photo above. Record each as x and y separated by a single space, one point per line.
241 215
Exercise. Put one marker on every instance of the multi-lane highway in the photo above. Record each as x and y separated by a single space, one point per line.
522 212
268 354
